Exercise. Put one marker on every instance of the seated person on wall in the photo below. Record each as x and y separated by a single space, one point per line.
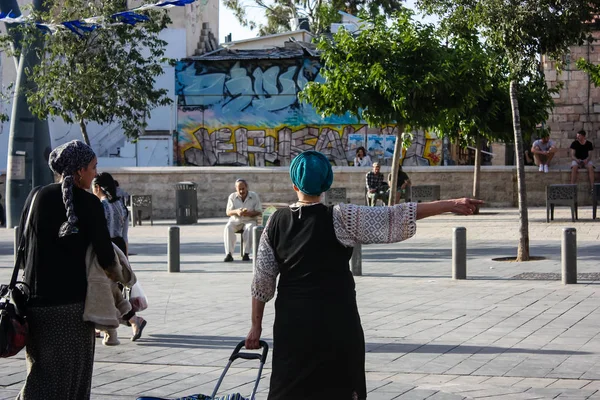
543 150
362 159
403 184
376 187
581 156
242 209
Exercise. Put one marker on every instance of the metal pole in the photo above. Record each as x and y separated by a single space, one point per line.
17 239
356 260
29 139
459 253
569 256
256 233
173 249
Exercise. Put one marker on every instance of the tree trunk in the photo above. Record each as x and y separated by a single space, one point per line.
83 128
477 170
395 163
523 250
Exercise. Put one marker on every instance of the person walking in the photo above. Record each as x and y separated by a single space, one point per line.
318 341
65 220
105 188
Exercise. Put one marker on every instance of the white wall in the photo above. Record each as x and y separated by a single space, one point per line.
105 138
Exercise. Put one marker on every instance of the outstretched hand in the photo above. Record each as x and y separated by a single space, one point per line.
464 206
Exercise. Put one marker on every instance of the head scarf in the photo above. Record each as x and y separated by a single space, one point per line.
66 160
311 172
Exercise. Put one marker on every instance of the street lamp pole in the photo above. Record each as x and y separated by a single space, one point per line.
29 137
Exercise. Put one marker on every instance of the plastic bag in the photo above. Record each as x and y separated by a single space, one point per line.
137 298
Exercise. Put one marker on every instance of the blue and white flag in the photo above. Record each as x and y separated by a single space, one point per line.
80 27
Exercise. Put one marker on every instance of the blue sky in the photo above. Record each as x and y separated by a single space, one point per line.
228 23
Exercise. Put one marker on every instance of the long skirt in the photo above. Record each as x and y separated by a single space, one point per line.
318 349
60 354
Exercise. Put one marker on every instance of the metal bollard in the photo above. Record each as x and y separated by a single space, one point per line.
356 260
173 249
256 233
459 253
17 239
569 256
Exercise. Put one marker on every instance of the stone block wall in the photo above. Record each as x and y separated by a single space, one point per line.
498 184
577 106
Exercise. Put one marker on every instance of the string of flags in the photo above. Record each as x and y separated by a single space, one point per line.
80 27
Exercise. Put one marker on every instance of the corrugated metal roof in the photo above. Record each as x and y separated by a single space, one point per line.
291 50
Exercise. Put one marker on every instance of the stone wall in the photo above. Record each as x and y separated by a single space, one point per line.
577 106
498 184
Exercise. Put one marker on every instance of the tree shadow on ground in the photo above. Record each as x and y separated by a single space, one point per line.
229 343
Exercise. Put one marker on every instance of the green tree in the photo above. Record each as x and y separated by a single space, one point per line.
320 13
488 115
523 30
401 73
103 75
592 70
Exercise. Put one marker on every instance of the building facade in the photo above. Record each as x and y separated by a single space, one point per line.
193 27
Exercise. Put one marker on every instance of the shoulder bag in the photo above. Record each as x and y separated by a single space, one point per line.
13 303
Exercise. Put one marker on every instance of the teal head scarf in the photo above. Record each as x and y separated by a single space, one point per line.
311 172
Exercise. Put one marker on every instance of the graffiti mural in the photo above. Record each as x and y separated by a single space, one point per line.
247 112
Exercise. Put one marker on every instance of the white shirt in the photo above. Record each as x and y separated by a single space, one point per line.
365 162
252 203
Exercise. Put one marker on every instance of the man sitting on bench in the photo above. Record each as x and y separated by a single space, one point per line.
242 209
376 187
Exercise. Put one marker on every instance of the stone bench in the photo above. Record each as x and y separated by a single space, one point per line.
419 193
335 196
561 195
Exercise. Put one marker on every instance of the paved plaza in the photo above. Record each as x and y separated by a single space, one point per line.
427 336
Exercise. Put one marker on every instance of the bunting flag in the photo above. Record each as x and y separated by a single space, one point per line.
80 27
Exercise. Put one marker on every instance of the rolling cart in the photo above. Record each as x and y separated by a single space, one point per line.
234 356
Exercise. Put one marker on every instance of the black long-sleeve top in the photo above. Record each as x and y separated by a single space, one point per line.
55 267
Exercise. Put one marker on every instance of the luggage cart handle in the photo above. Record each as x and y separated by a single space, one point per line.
246 356
250 356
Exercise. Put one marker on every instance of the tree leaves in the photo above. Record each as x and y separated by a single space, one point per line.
106 75
320 13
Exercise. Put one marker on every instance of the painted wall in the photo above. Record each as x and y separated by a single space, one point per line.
247 113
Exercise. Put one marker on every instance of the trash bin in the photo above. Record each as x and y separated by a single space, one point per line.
186 203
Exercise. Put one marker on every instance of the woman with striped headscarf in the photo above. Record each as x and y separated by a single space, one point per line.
65 220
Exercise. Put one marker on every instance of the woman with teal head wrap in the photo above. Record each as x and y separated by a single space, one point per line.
318 340
311 173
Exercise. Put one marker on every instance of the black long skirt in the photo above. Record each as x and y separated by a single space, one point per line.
60 354
318 349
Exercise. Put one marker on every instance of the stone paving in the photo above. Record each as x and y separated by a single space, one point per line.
428 337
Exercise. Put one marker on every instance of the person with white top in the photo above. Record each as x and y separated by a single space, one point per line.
243 207
543 150
362 159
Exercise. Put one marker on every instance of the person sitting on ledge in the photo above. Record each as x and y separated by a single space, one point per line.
543 150
581 156
242 209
